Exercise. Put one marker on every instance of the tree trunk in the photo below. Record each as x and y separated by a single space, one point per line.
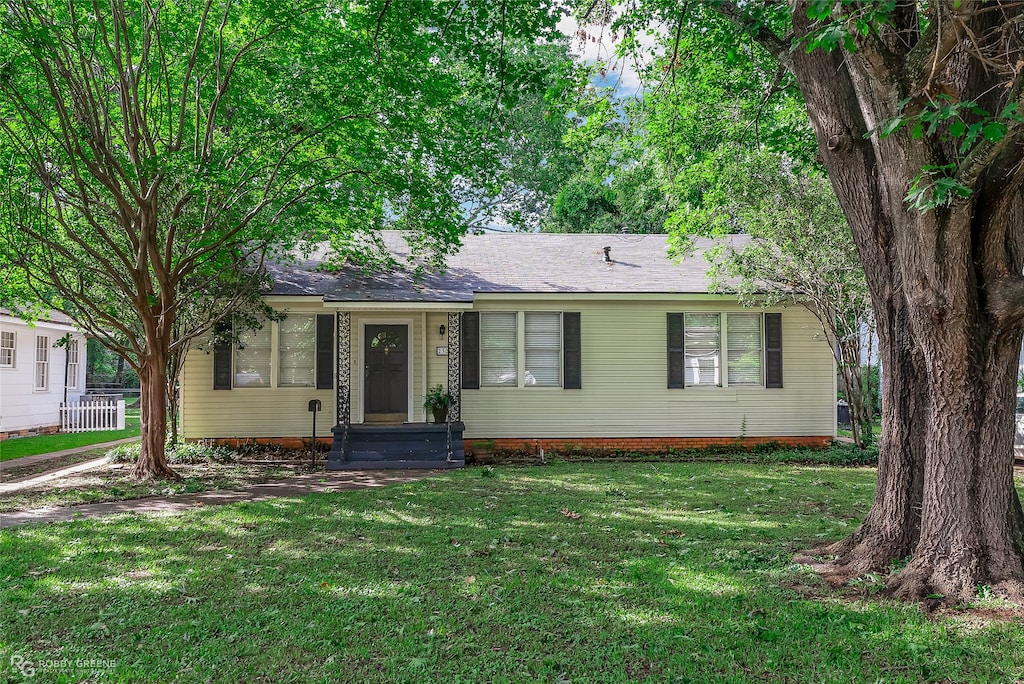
172 411
945 491
971 533
891 528
152 463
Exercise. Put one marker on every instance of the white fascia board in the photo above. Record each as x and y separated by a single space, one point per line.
604 296
38 324
400 306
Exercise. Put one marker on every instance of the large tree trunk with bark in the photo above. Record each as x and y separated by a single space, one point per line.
892 526
970 526
946 286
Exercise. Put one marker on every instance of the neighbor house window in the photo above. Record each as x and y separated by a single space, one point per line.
72 364
297 352
7 349
543 345
42 369
743 339
703 349
252 358
498 349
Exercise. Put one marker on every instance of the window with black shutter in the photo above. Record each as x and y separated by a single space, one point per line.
222 357
676 351
470 346
773 349
571 351
325 351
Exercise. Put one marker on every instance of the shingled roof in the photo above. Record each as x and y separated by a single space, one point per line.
512 263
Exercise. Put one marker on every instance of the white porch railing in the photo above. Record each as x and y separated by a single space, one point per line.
89 416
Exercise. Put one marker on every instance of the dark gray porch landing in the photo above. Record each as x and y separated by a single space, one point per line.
409 445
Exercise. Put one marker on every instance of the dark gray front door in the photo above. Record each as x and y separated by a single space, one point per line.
387 373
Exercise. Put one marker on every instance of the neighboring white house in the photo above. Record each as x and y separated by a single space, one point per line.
35 372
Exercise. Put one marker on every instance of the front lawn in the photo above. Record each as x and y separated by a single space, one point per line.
567 573
45 444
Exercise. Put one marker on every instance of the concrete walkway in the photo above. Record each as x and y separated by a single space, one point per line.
299 485
29 460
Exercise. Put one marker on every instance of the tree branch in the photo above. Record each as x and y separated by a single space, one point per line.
776 46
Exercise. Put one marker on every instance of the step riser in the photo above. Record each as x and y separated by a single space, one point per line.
396 446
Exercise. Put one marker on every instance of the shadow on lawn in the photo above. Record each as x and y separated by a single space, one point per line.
482 580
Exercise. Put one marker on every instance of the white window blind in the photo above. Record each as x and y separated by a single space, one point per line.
498 349
42 369
744 342
7 349
73 364
252 358
543 331
703 349
297 352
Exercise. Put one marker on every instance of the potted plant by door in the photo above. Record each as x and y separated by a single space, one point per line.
438 401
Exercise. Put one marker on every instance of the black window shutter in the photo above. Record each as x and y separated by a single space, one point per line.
222 358
773 350
325 351
470 346
676 351
572 372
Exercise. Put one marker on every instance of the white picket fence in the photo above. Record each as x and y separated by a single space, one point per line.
89 416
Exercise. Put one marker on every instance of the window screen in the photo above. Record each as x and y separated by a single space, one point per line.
42 369
297 351
498 337
744 342
73 364
703 345
7 346
543 331
252 358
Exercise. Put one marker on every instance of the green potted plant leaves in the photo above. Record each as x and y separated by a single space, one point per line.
438 401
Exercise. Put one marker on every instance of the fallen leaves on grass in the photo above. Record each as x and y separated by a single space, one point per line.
572 515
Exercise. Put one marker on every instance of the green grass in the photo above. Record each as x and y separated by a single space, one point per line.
44 444
670 573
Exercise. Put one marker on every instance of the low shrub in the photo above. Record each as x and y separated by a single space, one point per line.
839 454
182 452
199 452
125 453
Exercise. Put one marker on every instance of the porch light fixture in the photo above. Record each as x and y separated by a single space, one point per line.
441 330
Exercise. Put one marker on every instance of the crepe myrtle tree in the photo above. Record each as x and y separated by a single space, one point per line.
154 155
918 114
798 251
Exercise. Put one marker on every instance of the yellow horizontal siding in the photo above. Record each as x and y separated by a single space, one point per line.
624 391
282 411
625 377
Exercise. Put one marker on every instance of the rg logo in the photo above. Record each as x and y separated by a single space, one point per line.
26 667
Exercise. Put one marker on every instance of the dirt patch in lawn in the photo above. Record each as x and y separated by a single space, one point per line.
114 482
49 465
